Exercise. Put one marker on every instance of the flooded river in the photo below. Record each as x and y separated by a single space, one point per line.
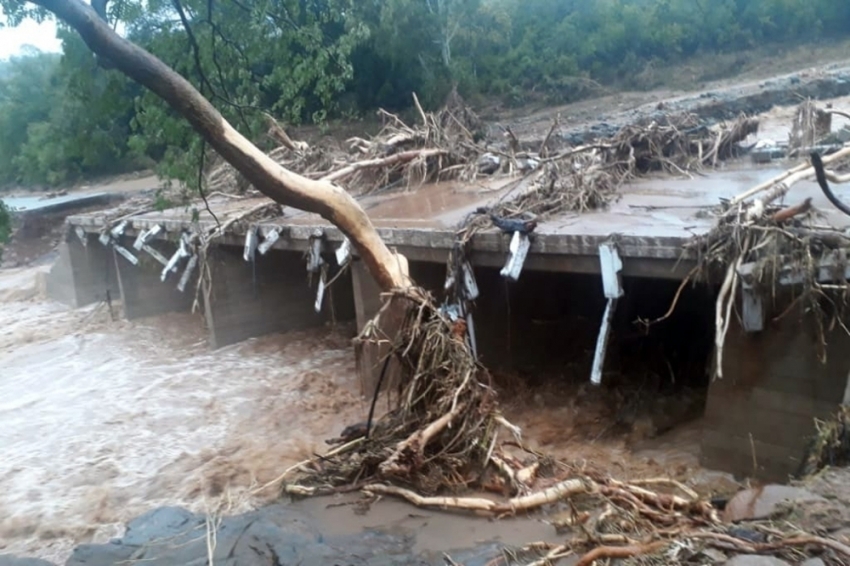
102 420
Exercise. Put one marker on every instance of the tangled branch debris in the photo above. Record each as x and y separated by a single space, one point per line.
759 242
443 429
830 445
811 124
450 144
578 179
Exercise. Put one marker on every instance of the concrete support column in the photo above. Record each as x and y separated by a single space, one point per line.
760 415
83 274
271 295
142 292
367 302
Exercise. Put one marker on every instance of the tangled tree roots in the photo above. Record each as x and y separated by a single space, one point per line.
443 428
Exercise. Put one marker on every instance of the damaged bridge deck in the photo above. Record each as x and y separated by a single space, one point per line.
774 383
651 222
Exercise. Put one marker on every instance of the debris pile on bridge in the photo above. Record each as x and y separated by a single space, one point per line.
809 127
760 246
452 144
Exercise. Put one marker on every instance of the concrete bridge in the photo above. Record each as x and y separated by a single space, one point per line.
756 418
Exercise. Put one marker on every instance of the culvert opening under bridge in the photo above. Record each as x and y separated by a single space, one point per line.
538 337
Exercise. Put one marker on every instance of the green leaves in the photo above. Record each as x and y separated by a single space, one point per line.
5 226
63 118
308 60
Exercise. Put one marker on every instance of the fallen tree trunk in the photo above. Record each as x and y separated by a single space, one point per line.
382 162
281 185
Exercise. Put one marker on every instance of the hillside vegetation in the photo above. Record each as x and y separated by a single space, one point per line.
305 61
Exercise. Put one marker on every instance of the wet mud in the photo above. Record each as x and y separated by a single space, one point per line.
726 102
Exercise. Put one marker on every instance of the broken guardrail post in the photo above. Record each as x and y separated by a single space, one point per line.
81 234
465 292
118 231
314 260
156 255
470 293
112 237
146 236
520 243
610 265
316 263
320 292
470 329
752 307
187 273
470 286
126 253
182 252
251 241
343 252
272 237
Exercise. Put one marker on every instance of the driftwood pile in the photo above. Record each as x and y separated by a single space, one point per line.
810 125
774 241
400 156
451 144
445 438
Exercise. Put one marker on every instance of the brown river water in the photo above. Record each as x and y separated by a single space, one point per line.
102 420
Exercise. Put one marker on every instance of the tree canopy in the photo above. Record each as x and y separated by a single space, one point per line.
303 61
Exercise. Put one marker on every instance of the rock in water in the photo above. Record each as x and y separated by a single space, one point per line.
272 535
762 502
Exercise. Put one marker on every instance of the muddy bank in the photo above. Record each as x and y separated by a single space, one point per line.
335 531
275 534
722 103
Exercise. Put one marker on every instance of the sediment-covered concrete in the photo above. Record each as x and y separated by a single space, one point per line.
273 294
83 273
760 415
143 293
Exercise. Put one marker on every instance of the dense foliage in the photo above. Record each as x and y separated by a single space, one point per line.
62 117
5 226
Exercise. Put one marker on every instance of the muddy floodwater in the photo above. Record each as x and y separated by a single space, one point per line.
102 420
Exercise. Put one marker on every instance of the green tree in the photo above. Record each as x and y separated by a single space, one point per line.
5 226
26 97
288 57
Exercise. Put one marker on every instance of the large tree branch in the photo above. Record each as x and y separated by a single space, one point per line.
288 188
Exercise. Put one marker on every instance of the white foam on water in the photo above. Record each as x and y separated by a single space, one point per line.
101 421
